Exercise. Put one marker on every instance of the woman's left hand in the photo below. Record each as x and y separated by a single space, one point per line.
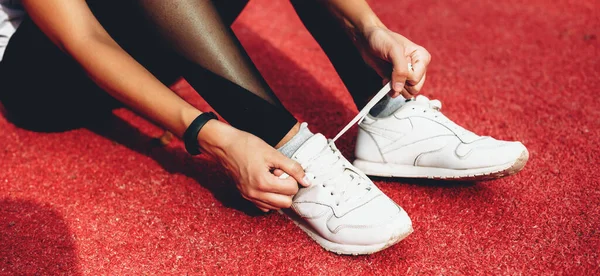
389 54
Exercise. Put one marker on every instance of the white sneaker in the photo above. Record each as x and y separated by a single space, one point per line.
418 141
342 210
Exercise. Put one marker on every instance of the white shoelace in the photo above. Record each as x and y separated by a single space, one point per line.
329 169
363 112
348 185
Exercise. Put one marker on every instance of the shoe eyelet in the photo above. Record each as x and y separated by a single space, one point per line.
323 185
331 193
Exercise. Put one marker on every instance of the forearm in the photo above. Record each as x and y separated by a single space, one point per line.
73 28
356 15
133 85
125 79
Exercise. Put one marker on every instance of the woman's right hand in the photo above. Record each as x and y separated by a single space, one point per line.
252 163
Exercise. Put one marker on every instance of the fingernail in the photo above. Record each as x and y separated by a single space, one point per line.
398 86
306 180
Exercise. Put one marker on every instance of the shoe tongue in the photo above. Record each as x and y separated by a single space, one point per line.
311 148
421 99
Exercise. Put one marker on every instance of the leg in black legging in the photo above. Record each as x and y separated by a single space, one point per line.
44 89
359 78
216 65
230 10
207 54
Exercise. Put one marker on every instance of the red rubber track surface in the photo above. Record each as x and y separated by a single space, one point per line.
110 201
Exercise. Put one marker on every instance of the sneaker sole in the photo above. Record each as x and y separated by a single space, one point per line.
408 171
345 249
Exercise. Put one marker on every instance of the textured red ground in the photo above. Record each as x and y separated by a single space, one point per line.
109 201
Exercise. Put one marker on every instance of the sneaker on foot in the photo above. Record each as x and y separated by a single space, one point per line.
418 141
343 210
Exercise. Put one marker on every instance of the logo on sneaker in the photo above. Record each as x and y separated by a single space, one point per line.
390 134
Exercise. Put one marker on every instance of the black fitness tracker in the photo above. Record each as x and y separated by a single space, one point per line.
190 137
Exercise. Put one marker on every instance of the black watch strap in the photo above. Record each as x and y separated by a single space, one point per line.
190 137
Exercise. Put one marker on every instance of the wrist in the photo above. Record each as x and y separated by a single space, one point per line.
356 15
215 137
186 117
367 22
360 30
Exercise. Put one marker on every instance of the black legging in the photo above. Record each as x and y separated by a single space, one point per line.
44 89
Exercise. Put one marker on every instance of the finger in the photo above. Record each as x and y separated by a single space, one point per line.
420 60
407 95
279 185
278 172
264 210
264 207
414 90
392 93
286 186
400 70
260 205
290 167
276 200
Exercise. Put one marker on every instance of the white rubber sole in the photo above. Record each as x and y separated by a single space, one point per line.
409 171
345 249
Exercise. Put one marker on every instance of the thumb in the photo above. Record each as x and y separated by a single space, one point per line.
392 93
400 72
290 168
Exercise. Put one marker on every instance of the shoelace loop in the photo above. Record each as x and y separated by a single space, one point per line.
330 170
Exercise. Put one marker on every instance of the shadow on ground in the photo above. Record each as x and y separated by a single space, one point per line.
34 240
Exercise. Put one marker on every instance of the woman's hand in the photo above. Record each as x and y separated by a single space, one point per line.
390 53
385 51
252 163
